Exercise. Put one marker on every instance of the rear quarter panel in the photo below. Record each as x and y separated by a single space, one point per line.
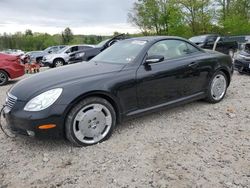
13 68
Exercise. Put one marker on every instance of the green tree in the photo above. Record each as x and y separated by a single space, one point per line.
67 36
28 32
156 16
234 16
198 15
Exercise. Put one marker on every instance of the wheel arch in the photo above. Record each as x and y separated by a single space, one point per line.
5 72
226 72
58 58
102 94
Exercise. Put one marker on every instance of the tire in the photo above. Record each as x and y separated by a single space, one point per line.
58 63
4 78
240 71
217 88
90 122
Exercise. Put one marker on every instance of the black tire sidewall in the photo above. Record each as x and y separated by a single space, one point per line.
73 112
6 76
209 94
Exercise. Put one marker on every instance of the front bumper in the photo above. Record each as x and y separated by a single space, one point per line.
242 65
47 62
22 122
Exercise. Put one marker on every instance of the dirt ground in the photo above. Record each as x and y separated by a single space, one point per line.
195 145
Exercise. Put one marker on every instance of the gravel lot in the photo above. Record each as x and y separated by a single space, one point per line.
195 145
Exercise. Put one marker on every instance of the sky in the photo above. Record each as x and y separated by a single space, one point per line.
100 17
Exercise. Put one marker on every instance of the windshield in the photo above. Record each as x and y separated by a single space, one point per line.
47 49
121 52
62 50
198 39
102 43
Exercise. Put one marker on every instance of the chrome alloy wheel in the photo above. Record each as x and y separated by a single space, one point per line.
92 123
218 87
59 63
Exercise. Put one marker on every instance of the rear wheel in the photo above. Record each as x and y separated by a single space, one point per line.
91 121
217 87
3 78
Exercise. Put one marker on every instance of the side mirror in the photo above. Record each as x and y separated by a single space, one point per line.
50 52
154 59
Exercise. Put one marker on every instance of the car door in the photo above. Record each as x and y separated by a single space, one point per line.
209 44
177 76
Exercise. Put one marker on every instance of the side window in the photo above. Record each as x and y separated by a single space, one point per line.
190 49
172 49
84 47
212 39
74 49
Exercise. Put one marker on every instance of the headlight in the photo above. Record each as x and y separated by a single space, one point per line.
43 100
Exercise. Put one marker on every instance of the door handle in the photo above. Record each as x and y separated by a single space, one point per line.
193 65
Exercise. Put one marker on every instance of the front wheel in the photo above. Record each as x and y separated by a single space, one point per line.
91 121
3 78
58 63
217 87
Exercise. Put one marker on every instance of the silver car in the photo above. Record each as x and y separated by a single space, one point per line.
62 56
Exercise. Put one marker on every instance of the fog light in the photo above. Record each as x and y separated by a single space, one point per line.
30 133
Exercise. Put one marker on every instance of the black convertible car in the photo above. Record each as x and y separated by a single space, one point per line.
88 54
84 102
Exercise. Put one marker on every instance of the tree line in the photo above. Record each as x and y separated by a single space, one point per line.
191 17
29 41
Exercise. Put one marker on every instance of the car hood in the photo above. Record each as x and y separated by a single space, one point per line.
59 77
52 55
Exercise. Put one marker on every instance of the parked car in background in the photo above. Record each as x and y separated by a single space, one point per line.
38 55
85 101
10 68
16 52
62 57
224 45
88 53
242 59
248 38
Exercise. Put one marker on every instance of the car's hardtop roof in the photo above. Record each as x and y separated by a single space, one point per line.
156 38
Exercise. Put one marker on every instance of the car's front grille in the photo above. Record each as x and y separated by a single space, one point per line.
10 101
